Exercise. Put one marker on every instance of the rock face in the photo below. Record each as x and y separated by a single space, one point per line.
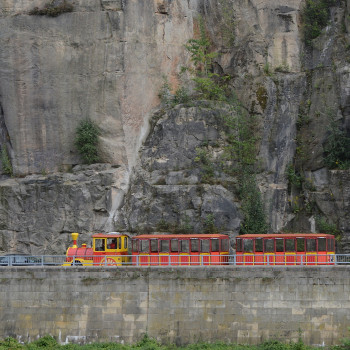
38 213
103 61
168 190
106 61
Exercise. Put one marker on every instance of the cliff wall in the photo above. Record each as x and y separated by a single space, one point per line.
106 61
103 61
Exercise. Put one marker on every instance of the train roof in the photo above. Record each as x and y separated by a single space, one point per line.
181 236
284 235
109 235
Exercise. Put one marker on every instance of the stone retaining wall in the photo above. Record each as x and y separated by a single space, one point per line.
180 305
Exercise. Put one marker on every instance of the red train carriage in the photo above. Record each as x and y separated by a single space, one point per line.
109 249
285 249
190 249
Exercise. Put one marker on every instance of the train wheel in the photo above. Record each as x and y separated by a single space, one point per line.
110 262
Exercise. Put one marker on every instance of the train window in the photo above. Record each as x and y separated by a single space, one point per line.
248 245
300 244
194 245
279 245
134 246
205 246
239 245
164 246
269 245
321 244
224 245
215 245
112 243
185 246
258 245
154 245
100 244
311 245
174 245
144 246
290 245
125 242
330 244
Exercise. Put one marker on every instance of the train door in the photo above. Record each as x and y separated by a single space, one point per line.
224 250
164 249
184 252
311 251
144 252
248 250
259 251
290 253
300 256
279 259
214 251
269 251
205 256
195 249
154 252
322 251
174 252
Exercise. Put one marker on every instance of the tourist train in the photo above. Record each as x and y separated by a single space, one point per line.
116 249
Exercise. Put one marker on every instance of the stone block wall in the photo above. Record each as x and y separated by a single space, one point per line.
179 305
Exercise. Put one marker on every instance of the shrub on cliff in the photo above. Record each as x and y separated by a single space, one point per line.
315 16
6 162
86 141
337 147
52 9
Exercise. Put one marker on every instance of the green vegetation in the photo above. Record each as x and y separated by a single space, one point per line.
315 16
6 162
207 165
252 206
183 227
337 147
164 94
52 9
147 343
208 85
241 153
86 141
293 177
209 224
325 226
228 23
240 150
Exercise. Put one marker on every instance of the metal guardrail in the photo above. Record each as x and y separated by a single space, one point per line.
176 260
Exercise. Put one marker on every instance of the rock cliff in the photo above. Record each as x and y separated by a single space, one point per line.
106 61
